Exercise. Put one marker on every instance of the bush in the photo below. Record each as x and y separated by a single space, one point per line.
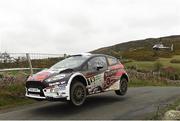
175 61
126 61
177 77
1 76
133 67
174 76
139 55
12 92
158 66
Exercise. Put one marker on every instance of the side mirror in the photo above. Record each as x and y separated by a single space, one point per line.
98 67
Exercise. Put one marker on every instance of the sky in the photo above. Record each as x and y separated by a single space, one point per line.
76 26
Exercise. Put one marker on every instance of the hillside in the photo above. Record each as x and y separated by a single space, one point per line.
142 49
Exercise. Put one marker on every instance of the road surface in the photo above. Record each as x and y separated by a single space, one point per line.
139 103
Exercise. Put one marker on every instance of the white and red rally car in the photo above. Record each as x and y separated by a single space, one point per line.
78 76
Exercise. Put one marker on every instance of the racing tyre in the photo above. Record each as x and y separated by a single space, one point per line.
77 93
123 87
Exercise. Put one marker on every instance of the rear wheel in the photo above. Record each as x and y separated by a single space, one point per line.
123 87
77 93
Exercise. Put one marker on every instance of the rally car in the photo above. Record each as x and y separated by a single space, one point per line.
78 76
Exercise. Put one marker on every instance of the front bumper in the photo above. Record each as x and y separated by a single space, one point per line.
34 96
49 93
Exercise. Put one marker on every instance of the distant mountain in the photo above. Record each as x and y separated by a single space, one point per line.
142 49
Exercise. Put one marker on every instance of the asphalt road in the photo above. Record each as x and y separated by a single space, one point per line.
139 103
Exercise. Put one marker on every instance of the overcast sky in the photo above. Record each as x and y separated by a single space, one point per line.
75 26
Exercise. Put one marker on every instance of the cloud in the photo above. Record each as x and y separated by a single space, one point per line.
68 26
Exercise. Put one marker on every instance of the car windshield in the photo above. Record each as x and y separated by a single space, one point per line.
70 62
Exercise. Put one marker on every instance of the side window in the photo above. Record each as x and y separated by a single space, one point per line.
85 67
97 62
112 61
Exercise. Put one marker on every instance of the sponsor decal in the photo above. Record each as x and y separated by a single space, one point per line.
41 76
91 79
112 76
95 78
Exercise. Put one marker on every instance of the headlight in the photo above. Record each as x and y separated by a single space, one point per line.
55 78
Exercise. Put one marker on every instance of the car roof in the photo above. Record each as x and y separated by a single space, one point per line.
89 54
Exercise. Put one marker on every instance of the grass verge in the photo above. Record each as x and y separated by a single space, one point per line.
161 111
13 95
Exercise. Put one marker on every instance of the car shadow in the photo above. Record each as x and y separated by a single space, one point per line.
63 109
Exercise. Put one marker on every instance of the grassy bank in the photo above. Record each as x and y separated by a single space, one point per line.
12 89
162 110
13 95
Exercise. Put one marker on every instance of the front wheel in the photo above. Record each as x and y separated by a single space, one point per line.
77 93
123 87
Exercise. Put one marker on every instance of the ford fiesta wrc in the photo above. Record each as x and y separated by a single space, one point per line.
78 76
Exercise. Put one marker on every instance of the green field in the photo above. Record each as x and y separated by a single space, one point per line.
149 65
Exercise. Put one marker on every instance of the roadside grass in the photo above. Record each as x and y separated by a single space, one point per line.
149 65
13 95
162 110
10 102
12 92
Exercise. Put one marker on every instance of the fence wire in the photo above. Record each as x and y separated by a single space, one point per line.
19 60
13 57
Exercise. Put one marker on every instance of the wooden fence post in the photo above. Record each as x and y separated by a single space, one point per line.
30 64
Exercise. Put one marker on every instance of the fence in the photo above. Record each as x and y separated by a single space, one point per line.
13 57
19 60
